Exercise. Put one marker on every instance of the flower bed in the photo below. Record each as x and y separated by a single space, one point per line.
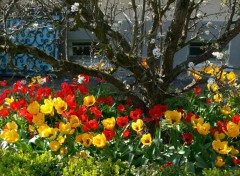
199 130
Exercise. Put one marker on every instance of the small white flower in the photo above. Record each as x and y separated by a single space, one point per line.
218 55
191 64
129 4
42 81
152 41
157 52
24 82
75 7
35 25
209 24
199 15
76 4
81 79
211 81
207 32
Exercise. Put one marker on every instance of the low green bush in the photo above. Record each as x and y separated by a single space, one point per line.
221 172
17 163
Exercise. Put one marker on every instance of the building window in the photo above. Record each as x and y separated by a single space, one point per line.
196 49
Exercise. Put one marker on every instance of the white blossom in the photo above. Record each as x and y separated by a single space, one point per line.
75 7
209 24
81 79
207 32
211 81
218 55
24 82
42 81
199 15
157 52
191 64
152 41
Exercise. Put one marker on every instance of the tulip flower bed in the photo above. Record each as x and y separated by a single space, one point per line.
196 131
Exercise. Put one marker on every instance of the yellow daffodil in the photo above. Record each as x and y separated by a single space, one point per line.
231 76
39 119
212 87
221 147
208 70
89 100
33 107
84 139
54 145
60 105
173 117
219 161
232 130
203 129
146 139
218 97
66 128
138 125
196 74
74 121
226 110
109 123
10 136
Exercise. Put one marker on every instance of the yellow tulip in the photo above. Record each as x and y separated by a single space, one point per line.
109 123
66 128
138 125
146 139
232 129
221 147
10 136
219 136
203 128
44 130
33 107
54 145
173 117
39 119
47 107
61 139
74 121
89 100
226 110
60 105
63 151
84 139
219 161
11 126
99 141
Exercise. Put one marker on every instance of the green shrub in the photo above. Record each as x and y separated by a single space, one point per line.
17 163
14 163
221 172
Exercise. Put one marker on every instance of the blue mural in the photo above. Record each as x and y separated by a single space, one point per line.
39 34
